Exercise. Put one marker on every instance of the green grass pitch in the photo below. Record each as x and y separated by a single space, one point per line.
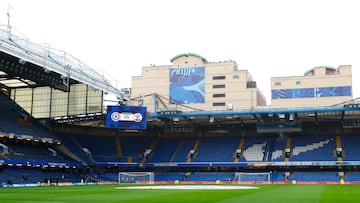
110 193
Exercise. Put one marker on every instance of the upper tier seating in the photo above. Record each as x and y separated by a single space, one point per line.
254 148
14 119
279 145
351 145
164 150
186 145
312 148
207 149
102 149
217 149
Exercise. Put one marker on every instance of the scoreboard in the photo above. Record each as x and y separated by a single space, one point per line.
126 117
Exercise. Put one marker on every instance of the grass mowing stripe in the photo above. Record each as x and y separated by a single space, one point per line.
341 193
266 193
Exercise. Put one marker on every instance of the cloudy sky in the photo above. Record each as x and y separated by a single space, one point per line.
268 38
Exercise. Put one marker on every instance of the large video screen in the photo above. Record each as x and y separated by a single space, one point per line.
187 85
126 117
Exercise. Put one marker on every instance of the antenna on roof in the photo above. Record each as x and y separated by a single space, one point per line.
8 15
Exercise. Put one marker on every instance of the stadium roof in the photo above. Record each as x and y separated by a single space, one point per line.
26 64
346 114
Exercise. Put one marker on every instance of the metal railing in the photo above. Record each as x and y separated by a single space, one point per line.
57 61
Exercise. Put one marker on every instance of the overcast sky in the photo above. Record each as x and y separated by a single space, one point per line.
269 38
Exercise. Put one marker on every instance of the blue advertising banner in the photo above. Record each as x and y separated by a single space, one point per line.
311 92
187 85
126 117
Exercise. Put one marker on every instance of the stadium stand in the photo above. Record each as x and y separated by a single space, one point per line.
254 148
353 177
12 121
315 177
36 175
15 119
133 147
185 145
308 144
169 176
312 148
73 148
165 149
278 148
25 153
209 176
350 144
99 149
217 149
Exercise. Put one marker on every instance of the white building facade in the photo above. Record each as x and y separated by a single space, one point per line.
320 86
191 82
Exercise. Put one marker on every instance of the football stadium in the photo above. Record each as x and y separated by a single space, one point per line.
191 131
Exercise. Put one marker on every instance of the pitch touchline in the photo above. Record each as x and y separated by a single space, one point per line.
188 187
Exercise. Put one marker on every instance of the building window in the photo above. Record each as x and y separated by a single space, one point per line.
236 76
277 83
298 82
218 86
251 84
222 77
219 104
218 95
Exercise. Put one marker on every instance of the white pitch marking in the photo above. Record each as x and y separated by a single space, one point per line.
188 187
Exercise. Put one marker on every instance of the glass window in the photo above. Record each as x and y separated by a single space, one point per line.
59 103
222 77
77 99
219 104
218 86
251 84
218 95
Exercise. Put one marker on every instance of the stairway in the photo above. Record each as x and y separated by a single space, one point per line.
196 145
